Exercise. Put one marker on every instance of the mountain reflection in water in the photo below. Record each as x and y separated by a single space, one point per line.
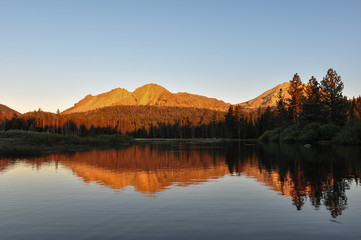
320 175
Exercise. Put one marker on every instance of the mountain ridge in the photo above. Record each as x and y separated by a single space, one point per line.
148 94
268 98
155 95
7 112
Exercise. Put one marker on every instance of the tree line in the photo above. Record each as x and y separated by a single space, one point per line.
313 104
141 122
314 111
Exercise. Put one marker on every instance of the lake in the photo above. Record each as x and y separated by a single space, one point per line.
184 191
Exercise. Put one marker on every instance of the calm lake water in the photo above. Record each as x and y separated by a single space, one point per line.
184 191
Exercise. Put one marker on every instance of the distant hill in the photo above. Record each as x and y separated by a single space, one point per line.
149 111
155 95
268 98
149 94
7 112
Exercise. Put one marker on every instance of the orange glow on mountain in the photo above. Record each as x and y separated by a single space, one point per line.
149 94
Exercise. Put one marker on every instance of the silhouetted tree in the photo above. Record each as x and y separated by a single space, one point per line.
231 122
267 120
281 110
240 122
333 98
313 110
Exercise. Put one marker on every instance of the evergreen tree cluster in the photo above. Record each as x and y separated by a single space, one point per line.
312 102
136 121
314 111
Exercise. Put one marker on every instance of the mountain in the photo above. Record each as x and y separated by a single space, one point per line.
155 95
149 94
7 112
268 98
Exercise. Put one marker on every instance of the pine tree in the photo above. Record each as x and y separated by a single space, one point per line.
281 109
355 108
267 120
231 122
240 121
312 106
295 102
333 98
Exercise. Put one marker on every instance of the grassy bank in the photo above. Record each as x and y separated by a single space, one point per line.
24 142
315 132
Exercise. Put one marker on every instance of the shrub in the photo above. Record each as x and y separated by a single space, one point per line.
275 137
290 134
328 131
309 133
308 136
270 135
3 134
350 133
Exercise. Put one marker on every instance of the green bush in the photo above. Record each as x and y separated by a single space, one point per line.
328 131
308 136
290 134
270 135
309 133
275 137
3 134
265 136
350 133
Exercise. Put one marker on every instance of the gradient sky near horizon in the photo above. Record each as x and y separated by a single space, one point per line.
54 53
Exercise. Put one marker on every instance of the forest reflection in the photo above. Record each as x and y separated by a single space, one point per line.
320 175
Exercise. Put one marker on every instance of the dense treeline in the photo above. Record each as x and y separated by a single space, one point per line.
315 111
142 121
136 121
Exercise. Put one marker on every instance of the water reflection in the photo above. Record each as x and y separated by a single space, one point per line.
320 175
5 164
148 169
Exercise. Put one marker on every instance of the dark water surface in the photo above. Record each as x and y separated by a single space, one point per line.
216 191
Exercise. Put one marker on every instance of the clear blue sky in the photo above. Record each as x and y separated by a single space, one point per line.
53 53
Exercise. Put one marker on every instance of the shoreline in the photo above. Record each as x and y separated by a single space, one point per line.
23 143
188 140
32 145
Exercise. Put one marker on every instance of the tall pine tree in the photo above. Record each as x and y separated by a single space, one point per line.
336 103
312 106
295 101
231 122
281 110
